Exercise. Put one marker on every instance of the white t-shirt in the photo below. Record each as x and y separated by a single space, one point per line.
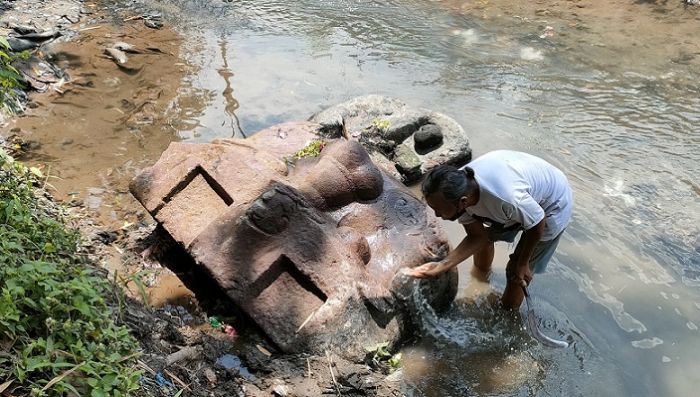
518 190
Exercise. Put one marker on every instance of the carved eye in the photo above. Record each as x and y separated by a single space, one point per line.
407 210
272 212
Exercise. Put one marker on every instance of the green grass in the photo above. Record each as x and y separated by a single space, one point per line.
313 149
379 355
57 333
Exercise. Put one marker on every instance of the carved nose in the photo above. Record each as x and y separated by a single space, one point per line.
344 174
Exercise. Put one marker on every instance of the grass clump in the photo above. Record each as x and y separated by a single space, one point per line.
313 149
381 124
57 333
379 356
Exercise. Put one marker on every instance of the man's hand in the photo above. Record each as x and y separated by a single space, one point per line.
518 272
524 273
430 269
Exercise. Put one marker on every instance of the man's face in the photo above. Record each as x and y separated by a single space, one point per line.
443 208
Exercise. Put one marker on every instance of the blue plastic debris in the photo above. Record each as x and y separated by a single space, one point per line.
243 371
161 381
230 361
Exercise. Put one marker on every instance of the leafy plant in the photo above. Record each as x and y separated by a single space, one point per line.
137 279
394 362
379 355
57 334
10 78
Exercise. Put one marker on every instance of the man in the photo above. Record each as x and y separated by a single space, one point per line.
494 197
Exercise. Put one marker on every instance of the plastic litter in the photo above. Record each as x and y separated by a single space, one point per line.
230 331
230 361
214 322
161 381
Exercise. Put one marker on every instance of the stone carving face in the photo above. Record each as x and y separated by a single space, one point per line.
308 251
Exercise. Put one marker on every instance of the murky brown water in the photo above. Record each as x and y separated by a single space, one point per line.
605 90
96 131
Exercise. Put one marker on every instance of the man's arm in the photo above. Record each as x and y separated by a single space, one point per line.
475 240
525 248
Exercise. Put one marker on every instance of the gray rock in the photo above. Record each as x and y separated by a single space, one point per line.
153 24
21 29
403 125
19 45
40 36
384 124
428 138
407 162
116 55
126 47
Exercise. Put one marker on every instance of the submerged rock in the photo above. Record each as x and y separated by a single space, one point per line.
39 73
307 249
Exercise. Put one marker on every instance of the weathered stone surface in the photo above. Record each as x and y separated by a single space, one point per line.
307 249
407 162
383 124
428 138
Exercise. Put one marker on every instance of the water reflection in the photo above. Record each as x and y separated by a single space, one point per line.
231 102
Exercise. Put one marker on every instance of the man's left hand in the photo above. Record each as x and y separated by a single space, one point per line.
518 272
524 273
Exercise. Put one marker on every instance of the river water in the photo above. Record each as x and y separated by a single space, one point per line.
607 92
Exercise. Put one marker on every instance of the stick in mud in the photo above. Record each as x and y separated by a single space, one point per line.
330 367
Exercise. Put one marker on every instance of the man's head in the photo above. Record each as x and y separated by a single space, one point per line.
449 191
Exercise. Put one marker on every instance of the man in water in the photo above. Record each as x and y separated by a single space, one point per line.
495 197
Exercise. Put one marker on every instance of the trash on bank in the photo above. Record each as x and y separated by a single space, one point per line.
233 362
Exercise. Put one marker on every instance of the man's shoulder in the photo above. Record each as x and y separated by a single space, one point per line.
497 159
505 155
501 163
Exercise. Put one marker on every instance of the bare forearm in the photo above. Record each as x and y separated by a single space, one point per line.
528 241
468 247
476 239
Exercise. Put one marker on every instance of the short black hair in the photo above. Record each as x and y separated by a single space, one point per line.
451 181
